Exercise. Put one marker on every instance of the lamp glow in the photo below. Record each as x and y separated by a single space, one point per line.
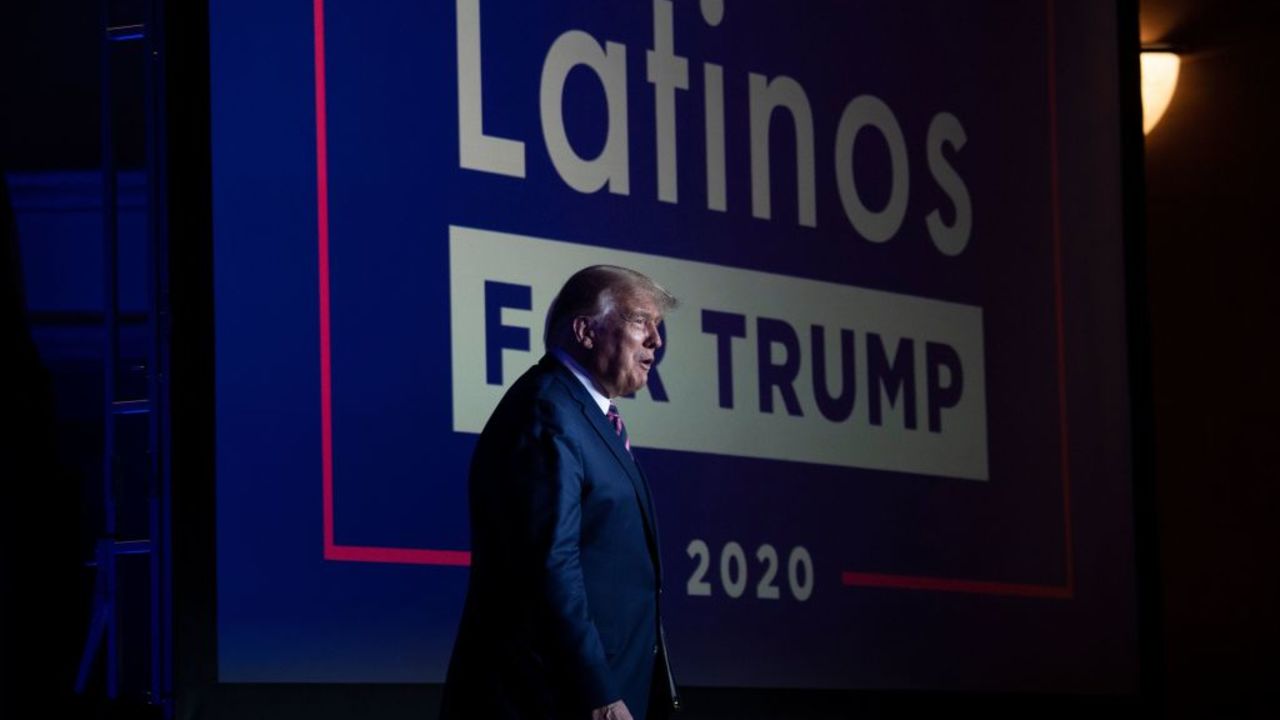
1159 79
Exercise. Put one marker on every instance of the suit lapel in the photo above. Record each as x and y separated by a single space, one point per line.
609 437
638 480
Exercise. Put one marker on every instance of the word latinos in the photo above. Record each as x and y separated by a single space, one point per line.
668 72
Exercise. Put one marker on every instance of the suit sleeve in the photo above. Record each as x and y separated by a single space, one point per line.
549 473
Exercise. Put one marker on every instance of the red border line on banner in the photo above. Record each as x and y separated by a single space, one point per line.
332 550
419 556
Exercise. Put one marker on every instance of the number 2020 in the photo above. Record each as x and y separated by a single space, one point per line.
733 571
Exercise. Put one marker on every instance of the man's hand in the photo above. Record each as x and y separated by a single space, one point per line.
616 710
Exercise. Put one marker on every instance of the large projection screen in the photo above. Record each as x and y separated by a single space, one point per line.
888 435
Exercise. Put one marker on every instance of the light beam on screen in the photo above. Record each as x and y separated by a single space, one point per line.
1159 80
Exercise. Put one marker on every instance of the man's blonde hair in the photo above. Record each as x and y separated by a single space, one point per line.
591 292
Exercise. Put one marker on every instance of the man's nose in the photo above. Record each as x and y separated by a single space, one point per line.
655 335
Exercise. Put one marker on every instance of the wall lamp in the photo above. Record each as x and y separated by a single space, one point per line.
1159 80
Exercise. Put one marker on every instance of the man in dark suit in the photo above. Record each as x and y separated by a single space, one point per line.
562 617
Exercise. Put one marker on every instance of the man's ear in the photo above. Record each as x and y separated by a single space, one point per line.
583 334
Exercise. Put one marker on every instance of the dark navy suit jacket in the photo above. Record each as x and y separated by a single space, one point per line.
562 611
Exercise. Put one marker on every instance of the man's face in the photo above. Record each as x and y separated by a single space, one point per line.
620 348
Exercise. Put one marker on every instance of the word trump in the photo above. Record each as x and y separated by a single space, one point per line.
889 378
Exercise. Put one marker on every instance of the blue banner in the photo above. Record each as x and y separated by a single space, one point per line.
898 271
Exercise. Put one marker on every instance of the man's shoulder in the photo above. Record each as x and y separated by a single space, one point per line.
548 378
539 403
546 387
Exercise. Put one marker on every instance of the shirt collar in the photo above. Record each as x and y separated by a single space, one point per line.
583 378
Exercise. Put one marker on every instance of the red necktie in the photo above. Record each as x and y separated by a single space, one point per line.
616 420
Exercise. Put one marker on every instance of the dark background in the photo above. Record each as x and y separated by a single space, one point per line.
1209 253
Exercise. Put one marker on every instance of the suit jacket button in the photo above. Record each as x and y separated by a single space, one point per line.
655 648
